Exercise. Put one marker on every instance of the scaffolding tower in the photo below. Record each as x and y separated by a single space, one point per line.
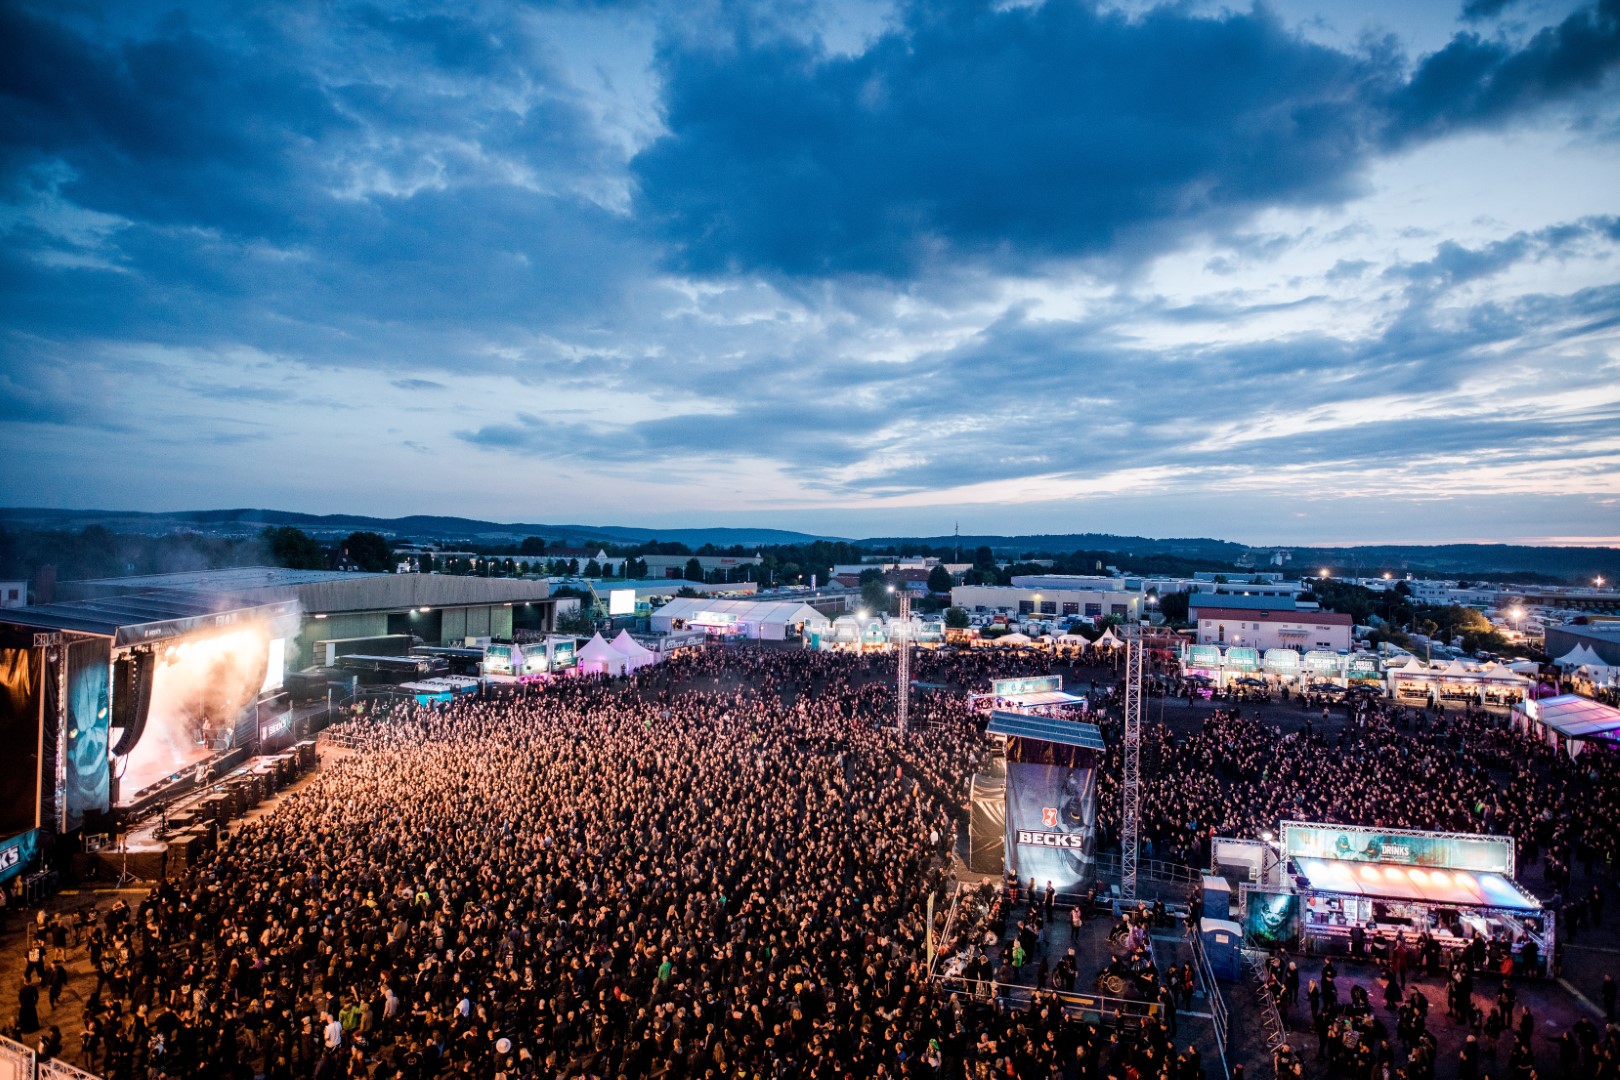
903 708
1130 788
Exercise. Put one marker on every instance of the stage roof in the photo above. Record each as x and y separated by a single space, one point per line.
144 617
1046 729
1391 881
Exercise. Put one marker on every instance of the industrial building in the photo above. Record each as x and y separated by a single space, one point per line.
1057 603
1301 630
1602 638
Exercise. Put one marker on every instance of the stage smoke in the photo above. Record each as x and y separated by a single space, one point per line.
199 690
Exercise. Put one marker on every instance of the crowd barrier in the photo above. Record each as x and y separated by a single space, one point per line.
19 1062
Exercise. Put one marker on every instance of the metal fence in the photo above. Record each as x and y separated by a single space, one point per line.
16 1060
1212 993
1254 966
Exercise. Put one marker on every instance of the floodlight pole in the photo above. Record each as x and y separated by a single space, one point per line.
1131 784
903 668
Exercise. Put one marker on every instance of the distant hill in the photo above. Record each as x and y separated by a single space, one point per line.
1496 561
1058 543
239 522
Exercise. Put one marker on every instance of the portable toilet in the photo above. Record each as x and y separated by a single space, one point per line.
1222 938
1217 896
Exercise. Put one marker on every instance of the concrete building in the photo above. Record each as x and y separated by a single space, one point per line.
1275 629
1056 603
13 594
1603 638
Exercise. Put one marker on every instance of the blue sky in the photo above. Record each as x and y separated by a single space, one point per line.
1296 272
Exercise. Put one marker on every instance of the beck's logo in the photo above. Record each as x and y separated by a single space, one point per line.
1049 817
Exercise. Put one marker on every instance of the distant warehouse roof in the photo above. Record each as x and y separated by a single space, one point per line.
1316 618
321 590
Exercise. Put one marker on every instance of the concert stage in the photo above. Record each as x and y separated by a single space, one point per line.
166 841
117 703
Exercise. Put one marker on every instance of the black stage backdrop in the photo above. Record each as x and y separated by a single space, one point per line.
19 731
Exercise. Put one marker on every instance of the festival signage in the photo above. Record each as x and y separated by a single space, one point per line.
17 853
498 660
1040 684
1204 656
1052 824
535 662
1281 661
562 655
1242 658
1350 843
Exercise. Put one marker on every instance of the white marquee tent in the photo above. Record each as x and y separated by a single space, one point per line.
636 654
599 658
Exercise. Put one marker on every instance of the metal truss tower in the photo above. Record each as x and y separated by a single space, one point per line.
903 679
1130 788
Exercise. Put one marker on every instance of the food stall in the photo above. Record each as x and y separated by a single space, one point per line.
1362 889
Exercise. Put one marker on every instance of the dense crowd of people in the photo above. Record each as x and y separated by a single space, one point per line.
716 868
719 867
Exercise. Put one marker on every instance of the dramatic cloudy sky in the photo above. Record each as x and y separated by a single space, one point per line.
1301 271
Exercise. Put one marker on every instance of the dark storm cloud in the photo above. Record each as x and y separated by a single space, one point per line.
1008 135
1477 10
1477 81
1021 133
431 183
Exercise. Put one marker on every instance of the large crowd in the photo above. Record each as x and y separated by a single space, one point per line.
719 867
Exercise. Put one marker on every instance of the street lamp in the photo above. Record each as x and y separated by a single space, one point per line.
1323 573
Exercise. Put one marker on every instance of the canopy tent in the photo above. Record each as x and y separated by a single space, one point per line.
1580 656
1392 881
636 654
599 658
1013 638
1525 667
1072 640
1109 640
1572 718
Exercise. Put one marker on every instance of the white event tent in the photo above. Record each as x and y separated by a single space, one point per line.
597 657
636 655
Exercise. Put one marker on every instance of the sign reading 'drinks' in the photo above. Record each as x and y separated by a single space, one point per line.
1439 851
1035 685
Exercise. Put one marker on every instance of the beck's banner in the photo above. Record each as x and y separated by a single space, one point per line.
1052 824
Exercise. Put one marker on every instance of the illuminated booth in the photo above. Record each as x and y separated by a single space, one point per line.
1049 798
1043 694
530 662
1358 890
1457 683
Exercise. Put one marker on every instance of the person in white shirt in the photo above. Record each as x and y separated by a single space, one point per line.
333 1032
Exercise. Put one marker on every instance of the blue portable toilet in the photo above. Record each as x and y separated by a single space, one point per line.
1222 938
